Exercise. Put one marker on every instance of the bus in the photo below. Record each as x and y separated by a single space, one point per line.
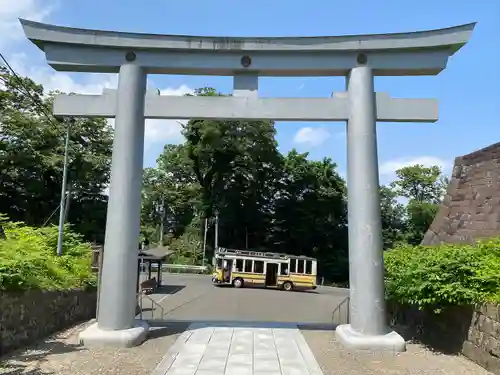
241 268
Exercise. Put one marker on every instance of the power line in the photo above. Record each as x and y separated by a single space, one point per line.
35 101
41 108
50 217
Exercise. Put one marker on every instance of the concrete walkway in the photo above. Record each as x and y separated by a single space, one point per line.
239 349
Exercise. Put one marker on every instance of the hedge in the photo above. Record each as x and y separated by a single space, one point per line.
28 259
439 276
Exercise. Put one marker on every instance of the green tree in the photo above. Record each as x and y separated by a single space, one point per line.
424 187
419 183
172 182
235 164
31 159
393 217
265 200
420 217
310 214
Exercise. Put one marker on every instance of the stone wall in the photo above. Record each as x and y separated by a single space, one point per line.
471 331
471 208
29 316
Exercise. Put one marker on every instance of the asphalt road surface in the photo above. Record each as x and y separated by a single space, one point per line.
187 299
193 298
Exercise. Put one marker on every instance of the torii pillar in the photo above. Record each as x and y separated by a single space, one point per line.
359 57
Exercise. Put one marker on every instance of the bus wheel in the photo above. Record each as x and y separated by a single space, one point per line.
238 283
288 286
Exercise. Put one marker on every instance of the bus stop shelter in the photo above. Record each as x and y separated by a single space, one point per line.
147 258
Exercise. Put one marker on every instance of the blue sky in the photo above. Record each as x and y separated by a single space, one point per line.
468 90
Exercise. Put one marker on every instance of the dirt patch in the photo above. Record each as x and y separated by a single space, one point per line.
61 355
417 360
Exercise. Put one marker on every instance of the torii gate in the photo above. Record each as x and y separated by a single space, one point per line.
357 57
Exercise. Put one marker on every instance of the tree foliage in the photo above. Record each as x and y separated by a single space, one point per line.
440 276
394 225
424 187
173 184
310 213
28 259
265 200
31 159
228 155
274 202
419 183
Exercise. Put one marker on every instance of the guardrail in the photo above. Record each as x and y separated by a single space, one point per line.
183 267
342 312
154 305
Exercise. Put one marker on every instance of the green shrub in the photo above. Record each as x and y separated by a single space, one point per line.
439 276
188 248
28 259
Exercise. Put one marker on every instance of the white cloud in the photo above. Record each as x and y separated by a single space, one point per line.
390 167
10 12
162 131
52 80
182 90
157 131
311 136
35 67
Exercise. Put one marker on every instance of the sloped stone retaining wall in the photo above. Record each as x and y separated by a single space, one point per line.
31 315
471 207
472 331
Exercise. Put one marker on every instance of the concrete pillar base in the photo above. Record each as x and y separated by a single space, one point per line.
93 336
353 339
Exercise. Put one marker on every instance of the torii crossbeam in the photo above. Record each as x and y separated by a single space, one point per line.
357 57
238 108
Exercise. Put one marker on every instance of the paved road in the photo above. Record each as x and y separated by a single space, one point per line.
240 331
279 322
193 298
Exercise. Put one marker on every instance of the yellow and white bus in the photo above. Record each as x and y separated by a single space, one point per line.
252 268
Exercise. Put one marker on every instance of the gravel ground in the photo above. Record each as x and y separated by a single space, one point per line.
61 355
194 298
417 360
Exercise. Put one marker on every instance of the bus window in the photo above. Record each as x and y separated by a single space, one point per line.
309 267
300 264
239 265
248 265
258 266
284 269
293 265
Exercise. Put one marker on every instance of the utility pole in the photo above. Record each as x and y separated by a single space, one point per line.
63 192
160 209
162 218
216 231
205 242
68 201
